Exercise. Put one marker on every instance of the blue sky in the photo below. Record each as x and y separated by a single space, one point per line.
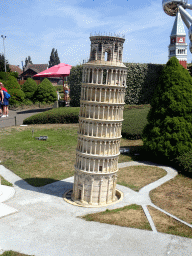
34 27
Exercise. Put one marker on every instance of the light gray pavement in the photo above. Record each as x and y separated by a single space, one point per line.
44 224
18 116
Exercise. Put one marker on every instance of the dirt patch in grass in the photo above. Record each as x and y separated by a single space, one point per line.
131 216
169 225
136 177
175 197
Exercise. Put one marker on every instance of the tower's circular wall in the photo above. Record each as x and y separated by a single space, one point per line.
100 122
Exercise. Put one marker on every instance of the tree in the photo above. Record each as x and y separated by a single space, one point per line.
169 129
54 58
2 64
75 80
14 89
46 92
28 61
29 88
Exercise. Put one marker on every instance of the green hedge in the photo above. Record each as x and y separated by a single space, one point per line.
141 82
54 116
135 119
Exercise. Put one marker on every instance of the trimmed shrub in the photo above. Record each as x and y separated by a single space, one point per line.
4 75
14 74
135 119
184 162
55 116
29 88
17 96
168 133
45 92
75 80
12 83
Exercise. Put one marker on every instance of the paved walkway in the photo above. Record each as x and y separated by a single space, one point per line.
17 117
42 223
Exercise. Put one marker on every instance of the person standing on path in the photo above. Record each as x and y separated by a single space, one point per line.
1 99
5 103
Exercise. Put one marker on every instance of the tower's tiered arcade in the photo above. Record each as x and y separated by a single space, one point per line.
100 121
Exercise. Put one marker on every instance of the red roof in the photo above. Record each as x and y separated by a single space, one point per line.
15 69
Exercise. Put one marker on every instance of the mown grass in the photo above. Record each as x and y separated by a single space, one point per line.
135 118
39 162
174 197
136 177
5 182
127 216
12 253
166 224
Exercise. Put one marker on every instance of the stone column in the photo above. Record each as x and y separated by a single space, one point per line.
100 191
105 95
114 186
101 76
91 194
97 77
108 190
92 75
83 191
89 75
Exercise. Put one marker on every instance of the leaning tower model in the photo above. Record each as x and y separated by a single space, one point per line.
100 122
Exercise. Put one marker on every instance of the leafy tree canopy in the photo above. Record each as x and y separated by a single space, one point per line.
28 61
46 92
2 64
54 58
29 88
169 129
75 80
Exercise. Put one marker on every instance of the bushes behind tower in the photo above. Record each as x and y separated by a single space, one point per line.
45 92
75 81
168 133
14 89
29 88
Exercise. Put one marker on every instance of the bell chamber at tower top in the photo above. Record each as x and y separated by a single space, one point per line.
106 48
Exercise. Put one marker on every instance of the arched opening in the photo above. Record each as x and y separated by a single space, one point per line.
100 47
105 56
116 47
108 55
120 55
93 54
90 78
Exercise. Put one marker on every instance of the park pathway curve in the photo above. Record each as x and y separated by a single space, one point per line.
38 221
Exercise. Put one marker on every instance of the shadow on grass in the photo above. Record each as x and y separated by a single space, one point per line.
54 188
33 110
135 152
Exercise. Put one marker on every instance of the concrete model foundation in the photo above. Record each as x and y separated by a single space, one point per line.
100 121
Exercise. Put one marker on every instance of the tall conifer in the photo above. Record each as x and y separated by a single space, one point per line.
54 58
169 129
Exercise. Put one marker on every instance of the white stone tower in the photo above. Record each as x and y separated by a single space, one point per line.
178 46
100 121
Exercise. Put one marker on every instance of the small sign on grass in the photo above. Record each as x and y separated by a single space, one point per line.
42 138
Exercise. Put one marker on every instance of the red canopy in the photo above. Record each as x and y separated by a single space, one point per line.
60 70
